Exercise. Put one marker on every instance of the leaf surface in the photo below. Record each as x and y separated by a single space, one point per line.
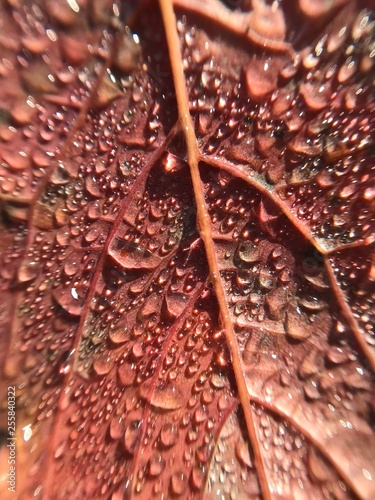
187 248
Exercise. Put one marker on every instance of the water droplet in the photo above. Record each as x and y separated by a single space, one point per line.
102 365
156 465
311 390
178 483
243 454
276 302
248 253
119 335
218 381
172 163
138 350
167 397
294 326
37 78
317 8
317 467
175 304
71 266
131 255
60 450
266 23
91 235
311 304
126 375
200 415
316 95
108 91
168 435
261 78
197 478
128 53
131 436
70 299
27 271
116 427
16 160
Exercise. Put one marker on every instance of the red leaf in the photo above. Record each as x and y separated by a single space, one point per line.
187 249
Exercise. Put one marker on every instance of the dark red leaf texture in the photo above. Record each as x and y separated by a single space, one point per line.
187 240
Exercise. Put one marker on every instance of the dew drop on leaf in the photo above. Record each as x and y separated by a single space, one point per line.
167 397
131 436
178 483
156 465
168 434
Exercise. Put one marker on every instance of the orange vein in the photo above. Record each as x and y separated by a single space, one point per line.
153 380
303 429
227 414
94 280
348 314
343 304
205 230
271 194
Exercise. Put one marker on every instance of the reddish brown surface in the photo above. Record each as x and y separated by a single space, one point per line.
111 329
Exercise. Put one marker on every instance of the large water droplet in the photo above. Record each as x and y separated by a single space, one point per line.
178 483
294 326
197 478
317 467
131 436
243 454
119 335
126 374
27 271
102 365
156 465
167 397
70 299
175 303
261 78
116 427
131 255
168 435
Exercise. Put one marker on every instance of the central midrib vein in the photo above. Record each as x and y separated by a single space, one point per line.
205 231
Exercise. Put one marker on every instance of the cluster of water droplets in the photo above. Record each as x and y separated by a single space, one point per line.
46 78
356 277
160 430
297 348
304 122
54 75
295 468
232 473
115 307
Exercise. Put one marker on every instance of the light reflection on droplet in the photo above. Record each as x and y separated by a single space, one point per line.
27 432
